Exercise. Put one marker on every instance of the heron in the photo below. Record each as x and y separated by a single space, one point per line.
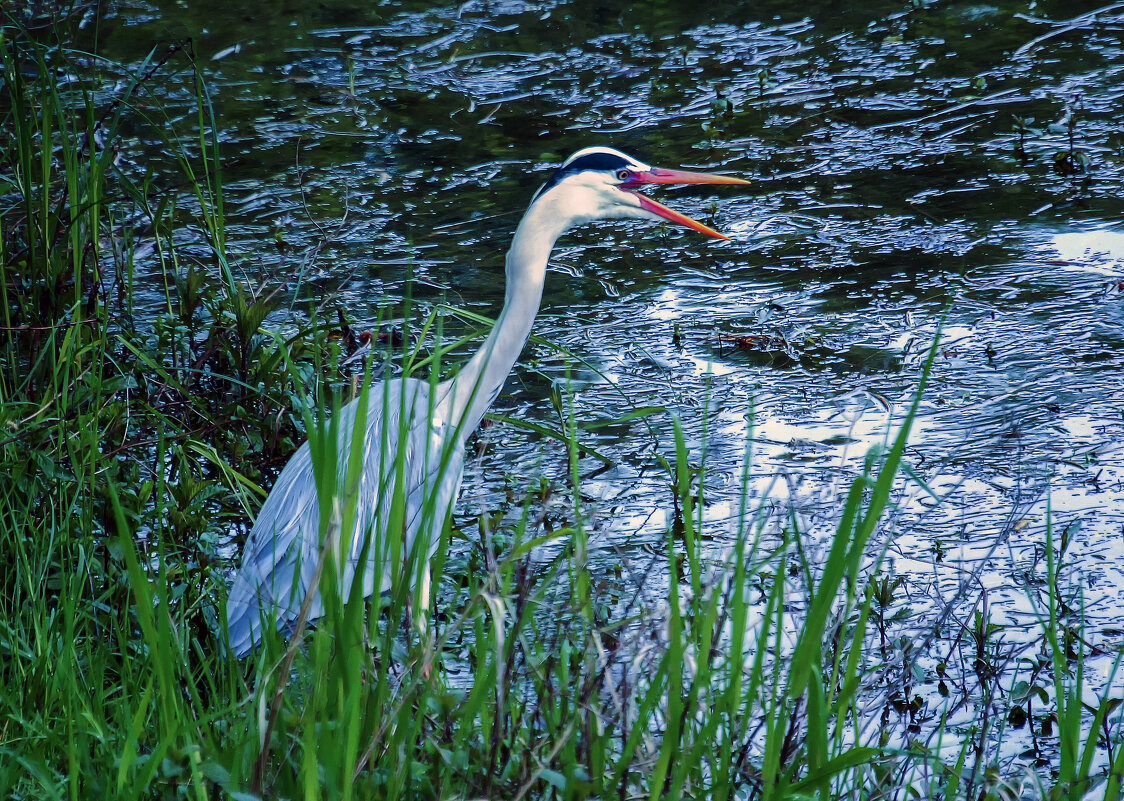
415 432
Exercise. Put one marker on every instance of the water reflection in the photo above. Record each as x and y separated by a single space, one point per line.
1100 251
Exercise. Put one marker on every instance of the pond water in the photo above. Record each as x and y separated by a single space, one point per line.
911 162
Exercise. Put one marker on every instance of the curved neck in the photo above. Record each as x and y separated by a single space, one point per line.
480 380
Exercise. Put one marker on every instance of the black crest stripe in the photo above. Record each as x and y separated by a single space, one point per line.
591 161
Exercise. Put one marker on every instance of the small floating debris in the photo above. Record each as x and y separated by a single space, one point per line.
773 344
751 341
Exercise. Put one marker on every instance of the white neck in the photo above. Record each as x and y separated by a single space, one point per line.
480 380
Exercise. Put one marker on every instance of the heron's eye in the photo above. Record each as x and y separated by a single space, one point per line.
623 175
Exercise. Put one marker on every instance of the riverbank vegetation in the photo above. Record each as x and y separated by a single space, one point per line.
745 661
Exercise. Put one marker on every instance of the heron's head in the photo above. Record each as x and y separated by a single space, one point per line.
599 183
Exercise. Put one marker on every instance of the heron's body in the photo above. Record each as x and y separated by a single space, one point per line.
416 433
283 550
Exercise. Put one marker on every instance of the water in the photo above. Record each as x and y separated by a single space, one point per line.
891 188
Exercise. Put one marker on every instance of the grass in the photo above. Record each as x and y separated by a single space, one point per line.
750 666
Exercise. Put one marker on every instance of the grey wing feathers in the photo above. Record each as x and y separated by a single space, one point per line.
278 546
283 549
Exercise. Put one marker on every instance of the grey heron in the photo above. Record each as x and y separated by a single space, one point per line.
415 431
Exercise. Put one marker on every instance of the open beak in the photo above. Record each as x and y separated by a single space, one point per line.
657 175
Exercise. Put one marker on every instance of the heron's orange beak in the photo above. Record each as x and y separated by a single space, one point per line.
657 175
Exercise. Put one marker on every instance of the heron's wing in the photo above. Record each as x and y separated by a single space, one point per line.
283 549
410 480
279 553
